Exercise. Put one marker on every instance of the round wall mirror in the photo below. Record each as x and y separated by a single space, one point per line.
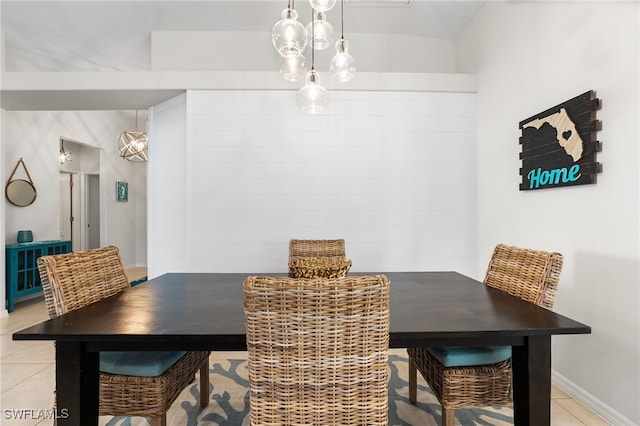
20 192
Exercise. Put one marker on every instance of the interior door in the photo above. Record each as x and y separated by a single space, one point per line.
93 211
70 229
66 218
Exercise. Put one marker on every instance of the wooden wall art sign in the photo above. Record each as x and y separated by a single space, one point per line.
559 145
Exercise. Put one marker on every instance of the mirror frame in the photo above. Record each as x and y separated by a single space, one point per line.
21 198
23 195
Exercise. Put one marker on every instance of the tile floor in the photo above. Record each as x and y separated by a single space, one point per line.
27 374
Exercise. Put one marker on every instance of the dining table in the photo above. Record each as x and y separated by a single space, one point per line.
204 311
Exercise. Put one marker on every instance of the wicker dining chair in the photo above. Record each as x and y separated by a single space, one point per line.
475 377
318 350
74 280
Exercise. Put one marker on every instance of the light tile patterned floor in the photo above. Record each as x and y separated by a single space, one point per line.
27 374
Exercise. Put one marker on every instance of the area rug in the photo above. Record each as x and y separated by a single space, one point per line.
229 400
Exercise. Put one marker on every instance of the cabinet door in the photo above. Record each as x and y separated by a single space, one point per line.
27 270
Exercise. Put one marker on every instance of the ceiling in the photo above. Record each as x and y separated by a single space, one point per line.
74 35
114 35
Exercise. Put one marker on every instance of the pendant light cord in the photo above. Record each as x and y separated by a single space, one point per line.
342 17
313 39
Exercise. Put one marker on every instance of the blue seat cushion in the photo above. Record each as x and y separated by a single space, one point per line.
464 357
143 364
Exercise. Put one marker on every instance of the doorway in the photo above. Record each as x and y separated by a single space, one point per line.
80 196
82 229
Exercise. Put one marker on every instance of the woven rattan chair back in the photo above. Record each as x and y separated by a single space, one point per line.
74 280
318 350
531 275
316 248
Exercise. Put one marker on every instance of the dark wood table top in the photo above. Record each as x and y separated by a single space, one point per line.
205 311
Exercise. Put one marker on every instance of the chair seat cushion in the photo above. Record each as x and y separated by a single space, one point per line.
142 364
467 356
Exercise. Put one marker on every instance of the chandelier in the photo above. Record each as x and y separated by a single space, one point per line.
64 155
290 38
133 145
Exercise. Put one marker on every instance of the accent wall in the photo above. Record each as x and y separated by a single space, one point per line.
240 173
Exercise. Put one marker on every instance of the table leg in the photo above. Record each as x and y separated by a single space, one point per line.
531 367
76 385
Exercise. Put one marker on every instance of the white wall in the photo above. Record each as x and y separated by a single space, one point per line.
168 188
530 56
182 51
392 173
3 288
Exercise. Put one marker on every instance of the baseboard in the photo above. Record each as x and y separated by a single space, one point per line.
136 265
591 402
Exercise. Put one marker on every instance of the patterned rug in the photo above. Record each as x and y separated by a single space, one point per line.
229 399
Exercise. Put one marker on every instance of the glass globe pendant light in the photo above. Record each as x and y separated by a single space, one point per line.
312 97
293 68
288 35
322 5
342 65
320 31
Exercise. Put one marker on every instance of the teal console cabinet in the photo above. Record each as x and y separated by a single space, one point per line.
22 277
